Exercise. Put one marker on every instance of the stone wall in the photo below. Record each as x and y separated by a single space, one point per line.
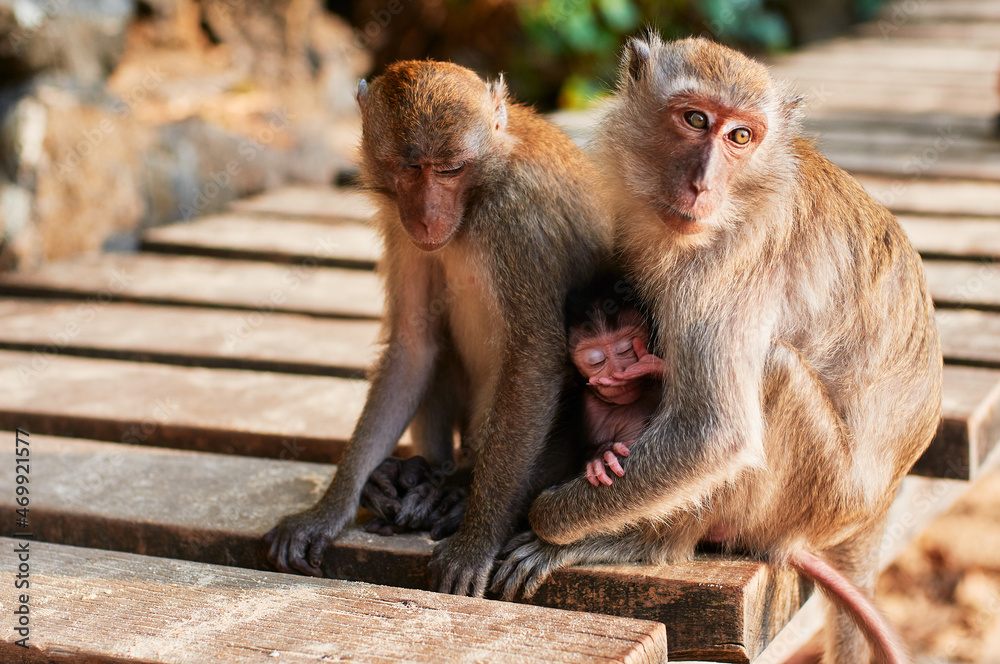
116 115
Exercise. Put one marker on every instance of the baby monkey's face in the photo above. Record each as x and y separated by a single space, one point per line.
598 353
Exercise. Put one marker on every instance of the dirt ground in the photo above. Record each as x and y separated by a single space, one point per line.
943 592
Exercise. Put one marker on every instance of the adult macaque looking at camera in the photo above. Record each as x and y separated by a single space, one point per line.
489 215
802 358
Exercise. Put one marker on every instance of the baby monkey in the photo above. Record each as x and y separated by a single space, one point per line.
608 339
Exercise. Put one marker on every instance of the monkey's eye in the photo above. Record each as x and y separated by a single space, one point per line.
594 357
696 119
625 349
740 135
413 167
454 170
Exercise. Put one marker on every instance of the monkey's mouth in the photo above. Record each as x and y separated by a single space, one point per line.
684 223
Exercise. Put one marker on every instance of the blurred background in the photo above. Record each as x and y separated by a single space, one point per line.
120 115
162 110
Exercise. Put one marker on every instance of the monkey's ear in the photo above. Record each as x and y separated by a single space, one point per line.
636 59
362 94
498 96
794 107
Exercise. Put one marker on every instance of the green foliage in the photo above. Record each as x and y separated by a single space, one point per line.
573 45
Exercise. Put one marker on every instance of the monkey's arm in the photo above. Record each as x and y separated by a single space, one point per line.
510 442
402 374
708 430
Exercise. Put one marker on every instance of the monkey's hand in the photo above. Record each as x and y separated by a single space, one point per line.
461 564
298 542
648 365
606 454
529 560
380 495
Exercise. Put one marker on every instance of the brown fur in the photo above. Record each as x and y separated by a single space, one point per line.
803 363
510 217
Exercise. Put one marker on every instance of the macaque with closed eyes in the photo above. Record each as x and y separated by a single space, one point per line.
792 316
489 215
607 341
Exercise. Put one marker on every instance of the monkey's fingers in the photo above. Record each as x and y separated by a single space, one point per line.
621 449
592 474
615 380
289 540
516 542
449 523
379 504
461 565
524 570
385 475
413 471
612 461
453 499
380 526
417 506
596 473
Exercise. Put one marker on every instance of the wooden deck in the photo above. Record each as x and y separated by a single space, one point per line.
182 399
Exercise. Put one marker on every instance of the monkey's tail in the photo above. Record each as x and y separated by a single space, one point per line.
850 599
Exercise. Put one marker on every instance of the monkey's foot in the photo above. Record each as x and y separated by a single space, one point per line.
461 565
438 509
528 562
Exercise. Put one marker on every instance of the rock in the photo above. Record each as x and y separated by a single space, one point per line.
196 168
269 39
77 155
83 39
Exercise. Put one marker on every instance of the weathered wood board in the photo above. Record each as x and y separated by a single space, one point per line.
916 196
305 201
274 239
965 284
970 424
218 338
102 606
954 237
238 412
969 337
208 282
214 509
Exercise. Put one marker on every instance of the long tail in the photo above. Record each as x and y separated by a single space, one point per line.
850 599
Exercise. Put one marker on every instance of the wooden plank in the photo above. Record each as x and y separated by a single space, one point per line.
980 34
939 154
879 54
278 240
964 284
954 237
970 424
877 97
190 336
947 197
222 410
970 338
206 282
309 201
111 607
173 504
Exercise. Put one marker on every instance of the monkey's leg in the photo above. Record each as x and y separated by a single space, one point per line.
403 373
440 411
427 498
